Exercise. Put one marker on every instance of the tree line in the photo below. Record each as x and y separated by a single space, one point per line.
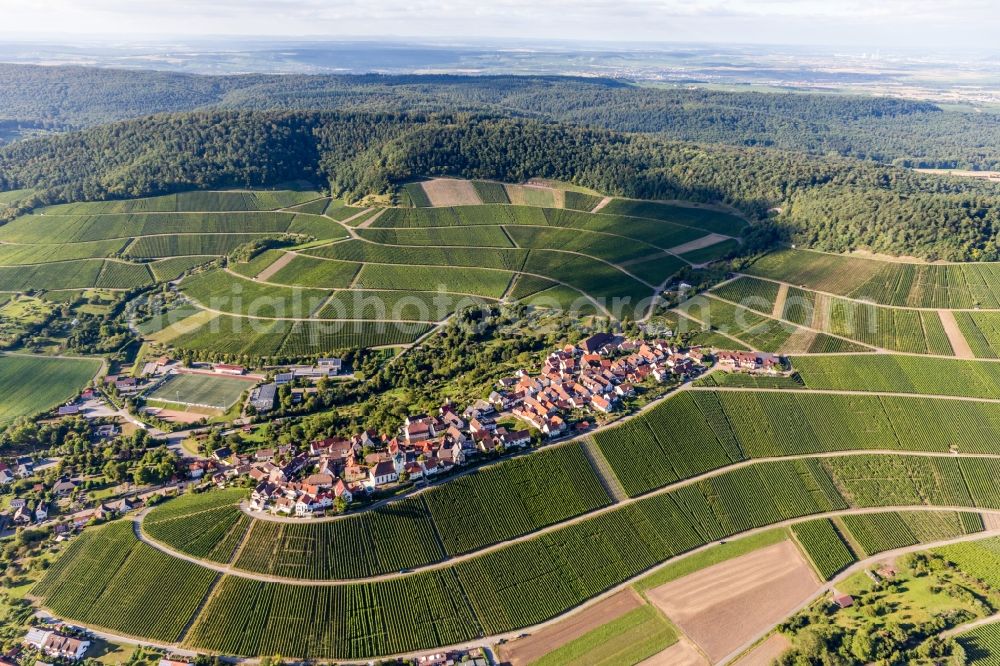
903 132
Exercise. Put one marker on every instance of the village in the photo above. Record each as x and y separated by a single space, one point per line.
578 388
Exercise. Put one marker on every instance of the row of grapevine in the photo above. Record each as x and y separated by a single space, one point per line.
515 497
758 295
110 579
825 546
507 588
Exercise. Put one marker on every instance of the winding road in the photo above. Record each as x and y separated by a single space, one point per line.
449 561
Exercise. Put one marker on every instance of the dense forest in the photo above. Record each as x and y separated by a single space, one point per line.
900 132
827 202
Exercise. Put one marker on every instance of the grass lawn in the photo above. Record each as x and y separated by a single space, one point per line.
915 601
215 391
34 384
635 636
109 653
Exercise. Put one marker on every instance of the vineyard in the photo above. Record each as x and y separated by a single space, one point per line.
490 192
980 559
474 281
982 645
878 532
900 374
246 617
969 285
982 331
238 336
749 292
513 586
203 201
209 525
393 537
700 218
477 236
42 229
147 247
514 498
109 579
825 546
497 503
697 431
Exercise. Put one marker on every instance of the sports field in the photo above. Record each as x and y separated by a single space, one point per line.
201 390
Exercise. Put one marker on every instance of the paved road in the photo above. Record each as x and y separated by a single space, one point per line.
594 600
447 562
890 394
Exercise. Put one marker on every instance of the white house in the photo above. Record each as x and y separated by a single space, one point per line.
382 474
57 645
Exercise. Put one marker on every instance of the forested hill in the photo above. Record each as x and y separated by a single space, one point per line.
895 131
828 203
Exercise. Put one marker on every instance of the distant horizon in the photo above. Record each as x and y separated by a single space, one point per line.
68 40
867 24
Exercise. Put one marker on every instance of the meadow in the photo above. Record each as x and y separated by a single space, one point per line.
34 384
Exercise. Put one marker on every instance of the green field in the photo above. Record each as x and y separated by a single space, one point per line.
203 390
629 639
31 385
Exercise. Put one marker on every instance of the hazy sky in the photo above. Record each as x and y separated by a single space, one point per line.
885 23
